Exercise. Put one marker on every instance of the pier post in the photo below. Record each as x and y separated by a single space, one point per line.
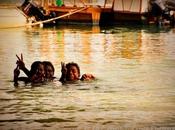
173 18
96 12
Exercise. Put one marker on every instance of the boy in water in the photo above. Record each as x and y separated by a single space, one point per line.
37 72
49 70
40 71
35 75
71 72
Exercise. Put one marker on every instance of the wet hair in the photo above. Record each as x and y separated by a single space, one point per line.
68 65
34 67
48 63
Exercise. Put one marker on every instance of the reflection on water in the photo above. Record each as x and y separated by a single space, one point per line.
134 67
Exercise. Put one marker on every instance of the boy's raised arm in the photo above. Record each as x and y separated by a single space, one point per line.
63 72
21 65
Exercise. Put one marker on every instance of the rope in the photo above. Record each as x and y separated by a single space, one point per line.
52 19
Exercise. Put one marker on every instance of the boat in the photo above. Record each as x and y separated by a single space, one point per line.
95 12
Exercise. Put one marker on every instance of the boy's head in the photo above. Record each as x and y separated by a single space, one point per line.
73 71
37 72
49 69
37 67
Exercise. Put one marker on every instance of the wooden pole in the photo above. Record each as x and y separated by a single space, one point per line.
113 5
96 12
140 6
130 5
122 5
105 3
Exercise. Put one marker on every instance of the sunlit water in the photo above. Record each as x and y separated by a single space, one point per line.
134 66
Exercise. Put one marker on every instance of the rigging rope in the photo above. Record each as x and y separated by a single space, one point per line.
53 19
48 20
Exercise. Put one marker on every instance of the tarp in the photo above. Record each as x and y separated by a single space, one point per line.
59 2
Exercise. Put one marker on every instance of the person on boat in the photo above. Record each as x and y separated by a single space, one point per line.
71 72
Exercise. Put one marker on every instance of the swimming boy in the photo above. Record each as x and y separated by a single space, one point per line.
49 70
71 72
35 75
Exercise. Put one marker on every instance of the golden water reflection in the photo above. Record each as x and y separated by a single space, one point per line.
134 67
96 49
59 45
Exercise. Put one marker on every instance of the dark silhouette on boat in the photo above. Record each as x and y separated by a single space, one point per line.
163 11
34 13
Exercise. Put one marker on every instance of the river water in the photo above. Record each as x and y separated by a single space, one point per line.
134 66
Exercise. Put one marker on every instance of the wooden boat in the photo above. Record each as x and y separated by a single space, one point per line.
101 11
86 11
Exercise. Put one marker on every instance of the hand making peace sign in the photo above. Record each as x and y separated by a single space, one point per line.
20 62
63 68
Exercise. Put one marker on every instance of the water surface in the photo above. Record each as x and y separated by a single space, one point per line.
134 66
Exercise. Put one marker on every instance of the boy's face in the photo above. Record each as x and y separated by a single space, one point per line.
40 70
39 76
49 72
72 73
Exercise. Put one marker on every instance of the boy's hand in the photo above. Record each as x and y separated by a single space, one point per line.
63 71
20 62
87 77
63 68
